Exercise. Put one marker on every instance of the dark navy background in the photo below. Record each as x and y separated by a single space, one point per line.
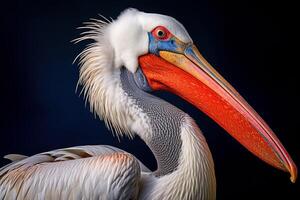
248 42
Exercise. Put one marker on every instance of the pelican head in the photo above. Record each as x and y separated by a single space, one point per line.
158 53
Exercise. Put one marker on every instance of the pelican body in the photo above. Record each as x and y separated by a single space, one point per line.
128 59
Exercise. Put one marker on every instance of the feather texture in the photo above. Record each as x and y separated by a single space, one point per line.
83 172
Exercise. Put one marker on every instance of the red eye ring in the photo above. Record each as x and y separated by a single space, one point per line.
161 33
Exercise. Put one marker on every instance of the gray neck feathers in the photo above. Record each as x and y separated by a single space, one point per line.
165 121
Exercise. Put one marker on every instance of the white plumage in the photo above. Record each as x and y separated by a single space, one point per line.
105 172
86 172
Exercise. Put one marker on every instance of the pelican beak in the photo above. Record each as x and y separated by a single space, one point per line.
191 77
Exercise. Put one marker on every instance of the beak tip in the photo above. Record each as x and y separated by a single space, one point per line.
293 173
293 178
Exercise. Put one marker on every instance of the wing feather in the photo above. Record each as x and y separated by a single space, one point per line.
82 172
15 157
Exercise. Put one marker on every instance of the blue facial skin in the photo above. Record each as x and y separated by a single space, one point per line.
162 45
155 46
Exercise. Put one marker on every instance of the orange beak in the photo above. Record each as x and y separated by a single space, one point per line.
191 77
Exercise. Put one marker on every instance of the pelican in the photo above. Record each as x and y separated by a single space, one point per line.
128 59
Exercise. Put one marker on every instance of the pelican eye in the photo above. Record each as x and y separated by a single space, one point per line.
161 33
